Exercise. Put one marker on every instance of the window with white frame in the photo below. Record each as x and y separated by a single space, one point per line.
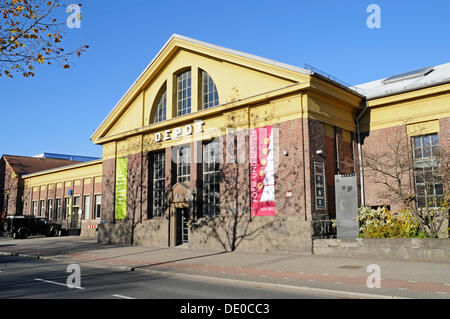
87 207
210 98
50 209
160 113
184 93
35 208
184 164
58 208
159 180
98 206
427 171
42 208
211 178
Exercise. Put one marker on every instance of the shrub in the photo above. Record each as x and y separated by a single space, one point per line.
381 223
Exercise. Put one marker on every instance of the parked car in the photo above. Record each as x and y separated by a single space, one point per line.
24 226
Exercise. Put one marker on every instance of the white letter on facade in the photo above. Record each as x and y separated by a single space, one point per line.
166 135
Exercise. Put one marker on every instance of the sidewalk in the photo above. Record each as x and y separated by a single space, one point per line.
342 277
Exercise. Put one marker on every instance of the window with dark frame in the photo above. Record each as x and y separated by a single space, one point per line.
159 181
211 178
319 178
210 98
184 93
427 172
184 164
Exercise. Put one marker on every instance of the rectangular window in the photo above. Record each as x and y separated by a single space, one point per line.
35 208
42 208
319 177
211 179
427 171
87 207
50 209
98 206
66 207
58 208
184 164
184 93
159 180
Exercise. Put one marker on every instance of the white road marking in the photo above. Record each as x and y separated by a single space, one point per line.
441 292
123 297
56 283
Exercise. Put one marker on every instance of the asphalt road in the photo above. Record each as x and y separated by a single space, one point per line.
41 279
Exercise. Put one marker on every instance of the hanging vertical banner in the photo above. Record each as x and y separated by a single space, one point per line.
120 211
262 171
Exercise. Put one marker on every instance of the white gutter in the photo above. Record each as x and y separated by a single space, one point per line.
358 134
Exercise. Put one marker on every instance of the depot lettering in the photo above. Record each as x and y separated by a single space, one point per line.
178 132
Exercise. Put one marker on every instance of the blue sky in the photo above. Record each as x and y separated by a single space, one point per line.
58 110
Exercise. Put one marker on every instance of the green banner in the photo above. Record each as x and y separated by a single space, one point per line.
121 188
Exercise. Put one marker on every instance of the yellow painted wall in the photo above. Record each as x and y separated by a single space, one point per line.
408 108
63 175
131 118
233 82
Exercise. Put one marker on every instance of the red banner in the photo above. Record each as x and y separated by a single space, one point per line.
262 171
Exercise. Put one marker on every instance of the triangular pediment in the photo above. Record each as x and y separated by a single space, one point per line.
237 75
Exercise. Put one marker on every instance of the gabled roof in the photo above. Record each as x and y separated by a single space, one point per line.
405 82
26 165
177 42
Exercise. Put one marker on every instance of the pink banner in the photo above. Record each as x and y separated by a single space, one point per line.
262 171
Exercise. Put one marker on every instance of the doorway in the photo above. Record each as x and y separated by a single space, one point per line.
182 226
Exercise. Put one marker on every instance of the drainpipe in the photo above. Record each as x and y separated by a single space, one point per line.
358 135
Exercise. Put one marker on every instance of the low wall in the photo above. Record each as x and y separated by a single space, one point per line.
88 229
261 234
404 249
149 233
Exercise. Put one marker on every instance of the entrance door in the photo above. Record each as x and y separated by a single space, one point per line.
182 220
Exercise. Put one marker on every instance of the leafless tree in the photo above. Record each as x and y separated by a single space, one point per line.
394 167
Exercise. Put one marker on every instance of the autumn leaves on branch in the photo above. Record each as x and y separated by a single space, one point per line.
30 34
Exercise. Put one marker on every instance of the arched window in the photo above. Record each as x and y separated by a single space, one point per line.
210 98
160 113
184 93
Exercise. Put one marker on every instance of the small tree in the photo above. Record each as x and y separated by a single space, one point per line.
407 180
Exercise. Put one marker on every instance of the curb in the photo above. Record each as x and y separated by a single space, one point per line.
309 290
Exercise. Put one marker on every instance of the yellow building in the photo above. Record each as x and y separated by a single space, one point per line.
216 148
